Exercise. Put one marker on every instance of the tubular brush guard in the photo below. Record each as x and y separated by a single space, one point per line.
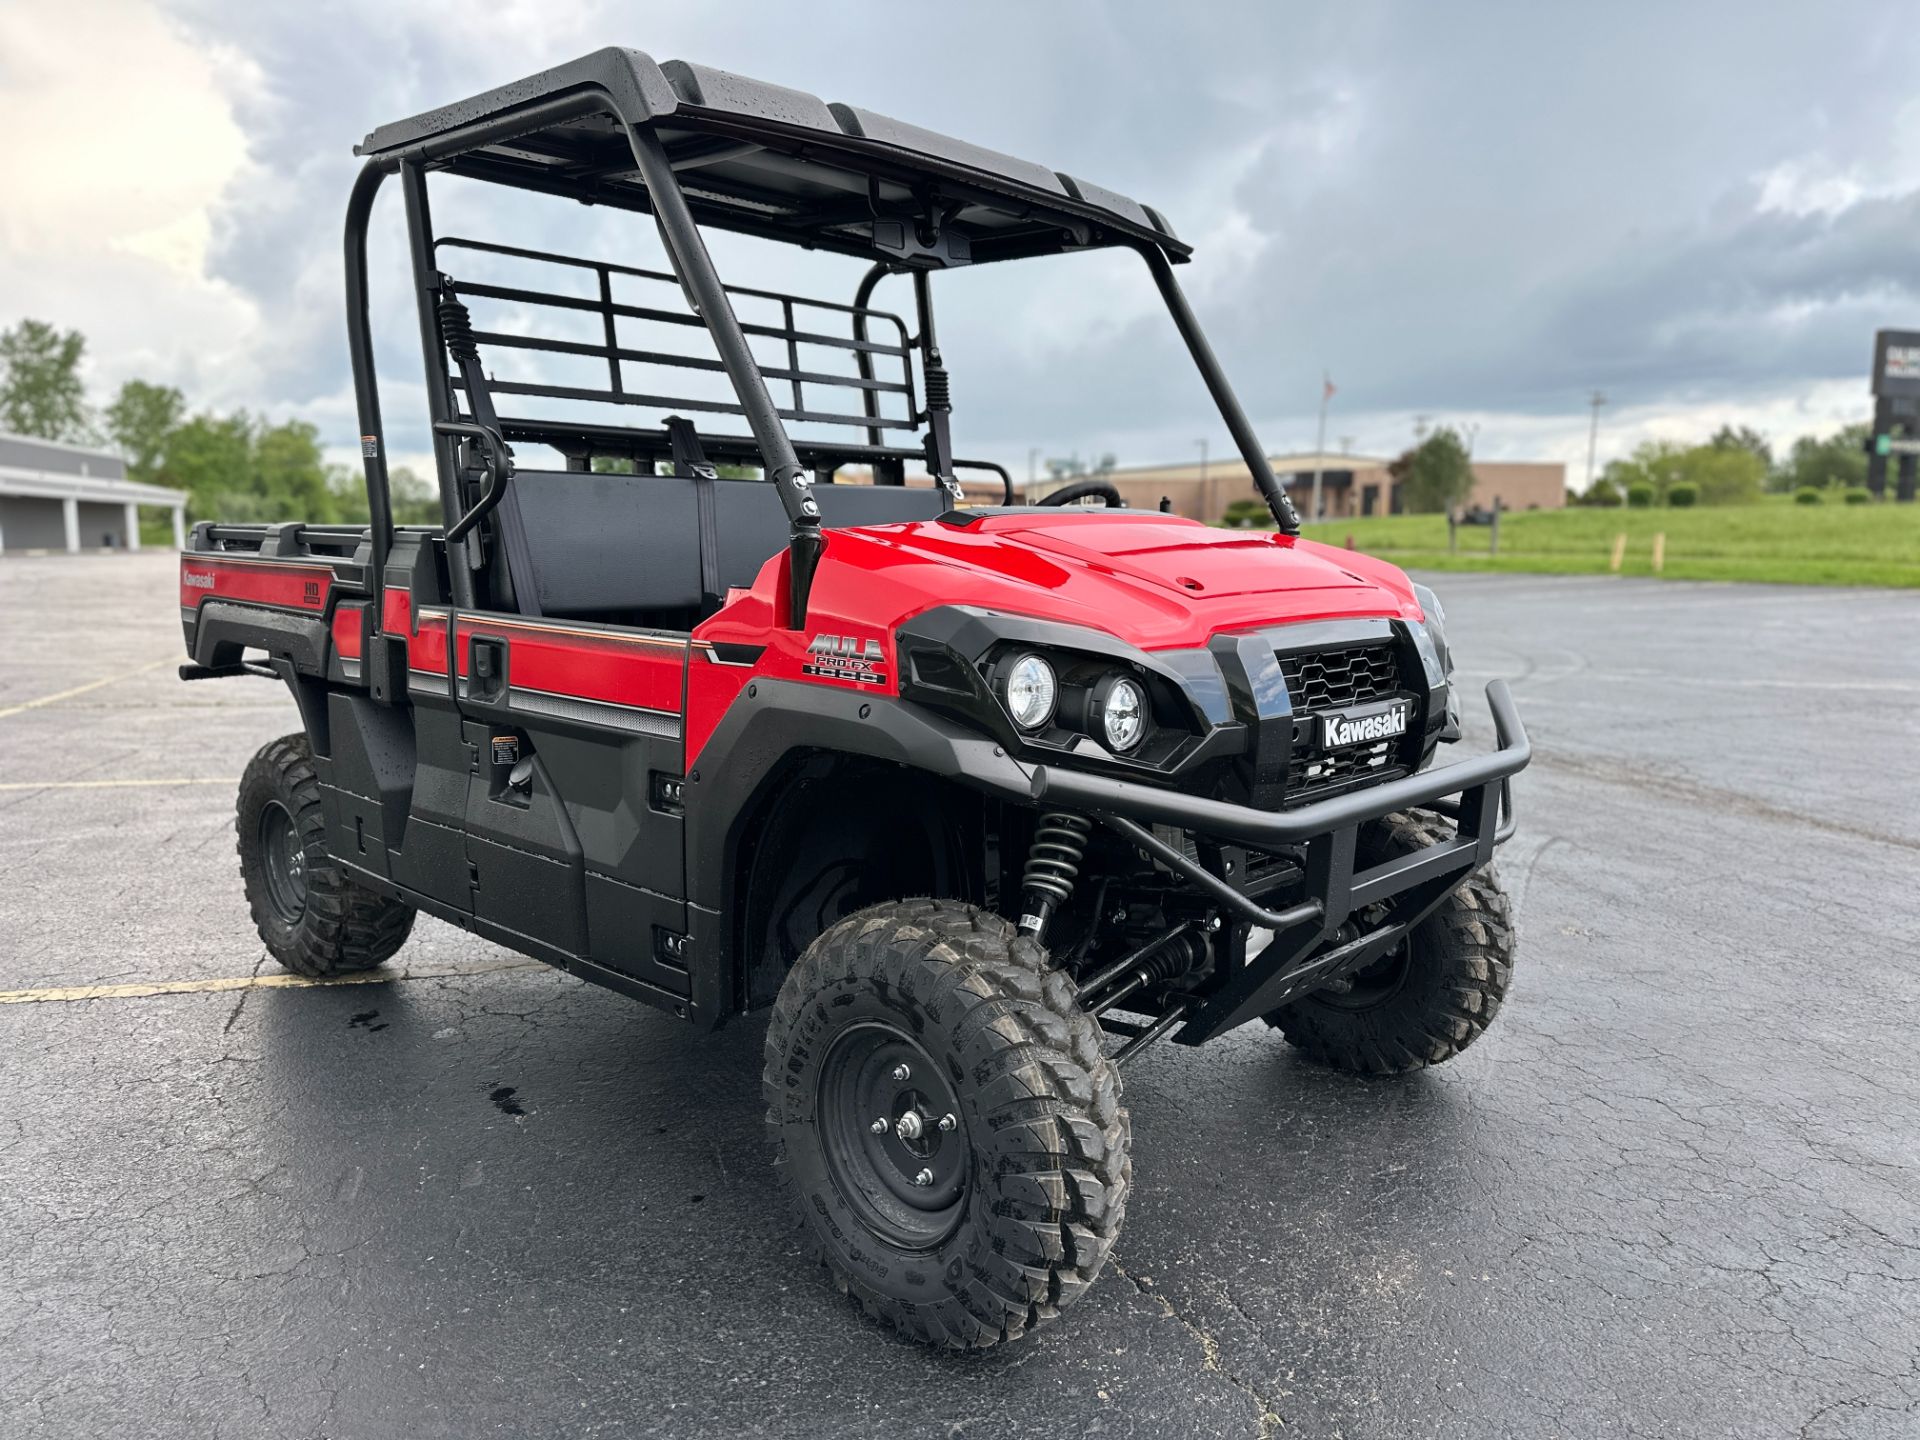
1474 792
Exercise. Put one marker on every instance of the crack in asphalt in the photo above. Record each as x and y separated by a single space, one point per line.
1271 1421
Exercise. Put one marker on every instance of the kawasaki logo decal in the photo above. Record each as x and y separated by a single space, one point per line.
1339 731
846 657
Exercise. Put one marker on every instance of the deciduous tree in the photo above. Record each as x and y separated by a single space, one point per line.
1436 474
41 392
140 421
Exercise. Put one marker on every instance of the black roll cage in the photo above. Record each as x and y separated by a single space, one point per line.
662 195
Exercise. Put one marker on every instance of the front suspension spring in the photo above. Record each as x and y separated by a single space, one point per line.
1053 865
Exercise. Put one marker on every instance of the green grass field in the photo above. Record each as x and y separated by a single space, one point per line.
1773 540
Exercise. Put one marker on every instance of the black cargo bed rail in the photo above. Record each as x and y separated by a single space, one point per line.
288 540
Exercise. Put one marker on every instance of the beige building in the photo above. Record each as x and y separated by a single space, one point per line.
1350 485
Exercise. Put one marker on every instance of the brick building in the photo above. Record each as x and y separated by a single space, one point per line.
1350 485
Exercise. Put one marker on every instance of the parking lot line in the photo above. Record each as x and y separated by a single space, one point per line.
142 991
83 689
114 784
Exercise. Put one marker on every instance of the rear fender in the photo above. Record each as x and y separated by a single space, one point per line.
225 628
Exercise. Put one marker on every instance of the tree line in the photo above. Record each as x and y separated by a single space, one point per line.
1735 466
236 466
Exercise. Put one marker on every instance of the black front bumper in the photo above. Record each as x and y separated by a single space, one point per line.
1309 948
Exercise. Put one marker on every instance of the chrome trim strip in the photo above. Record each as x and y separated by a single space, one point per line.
661 724
478 622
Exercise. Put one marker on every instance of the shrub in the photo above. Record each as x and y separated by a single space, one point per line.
1856 495
1601 493
1682 493
1244 513
1807 495
1640 495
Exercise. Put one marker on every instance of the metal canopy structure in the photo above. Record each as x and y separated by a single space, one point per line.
693 148
769 161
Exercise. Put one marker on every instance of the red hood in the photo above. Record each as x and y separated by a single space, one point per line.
1155 581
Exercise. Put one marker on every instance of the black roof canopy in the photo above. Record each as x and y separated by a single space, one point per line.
769 161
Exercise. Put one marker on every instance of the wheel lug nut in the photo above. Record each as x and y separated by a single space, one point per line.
879 1127
925 1177
947 1122
901 1074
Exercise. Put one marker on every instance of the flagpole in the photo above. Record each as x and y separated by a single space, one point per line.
1320 438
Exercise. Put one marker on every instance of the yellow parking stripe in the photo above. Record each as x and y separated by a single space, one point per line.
81 689
252 982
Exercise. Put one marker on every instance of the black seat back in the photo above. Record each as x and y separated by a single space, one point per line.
602 543
616 544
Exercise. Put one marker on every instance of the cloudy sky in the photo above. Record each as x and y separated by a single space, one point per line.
1474 212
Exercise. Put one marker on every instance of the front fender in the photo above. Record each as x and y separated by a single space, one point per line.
771 723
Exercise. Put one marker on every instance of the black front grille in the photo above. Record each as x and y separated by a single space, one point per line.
1339 680
1335 679
1318 777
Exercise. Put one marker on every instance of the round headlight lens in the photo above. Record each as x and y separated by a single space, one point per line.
1123 715
1030 692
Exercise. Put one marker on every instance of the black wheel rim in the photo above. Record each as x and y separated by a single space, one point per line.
284 858
906 1179
1373 984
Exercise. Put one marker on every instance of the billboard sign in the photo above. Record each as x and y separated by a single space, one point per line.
1896 364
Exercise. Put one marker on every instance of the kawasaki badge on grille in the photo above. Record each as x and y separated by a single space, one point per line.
1340 729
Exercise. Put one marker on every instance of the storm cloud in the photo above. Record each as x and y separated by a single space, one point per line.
1480 209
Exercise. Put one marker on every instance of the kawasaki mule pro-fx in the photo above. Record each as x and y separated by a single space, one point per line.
727 721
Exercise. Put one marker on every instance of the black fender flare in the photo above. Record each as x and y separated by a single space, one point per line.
773 722
224 628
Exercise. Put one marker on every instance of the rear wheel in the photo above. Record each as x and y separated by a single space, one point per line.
946 1122
313 918
1428 998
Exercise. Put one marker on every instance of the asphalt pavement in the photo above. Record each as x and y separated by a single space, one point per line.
1674 1192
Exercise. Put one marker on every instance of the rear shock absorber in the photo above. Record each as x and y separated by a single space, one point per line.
1053 865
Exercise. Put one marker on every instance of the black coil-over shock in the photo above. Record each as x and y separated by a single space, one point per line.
939 385
456 329
1053 865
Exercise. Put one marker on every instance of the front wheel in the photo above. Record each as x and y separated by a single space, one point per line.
1429 997
314 919
946 1122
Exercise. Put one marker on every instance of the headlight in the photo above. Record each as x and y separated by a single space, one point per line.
1430 638
1121 708
1030 692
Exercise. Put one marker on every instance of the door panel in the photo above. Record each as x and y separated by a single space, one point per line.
581 851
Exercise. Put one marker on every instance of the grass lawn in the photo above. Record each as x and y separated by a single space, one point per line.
1774 540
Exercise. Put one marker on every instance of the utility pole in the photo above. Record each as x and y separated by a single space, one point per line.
1320 438
1033 471
1471 429
1596 400
1203 463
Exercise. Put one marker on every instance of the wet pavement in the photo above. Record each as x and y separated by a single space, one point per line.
1675 1191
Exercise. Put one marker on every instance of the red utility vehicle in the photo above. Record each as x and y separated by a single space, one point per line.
736 714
